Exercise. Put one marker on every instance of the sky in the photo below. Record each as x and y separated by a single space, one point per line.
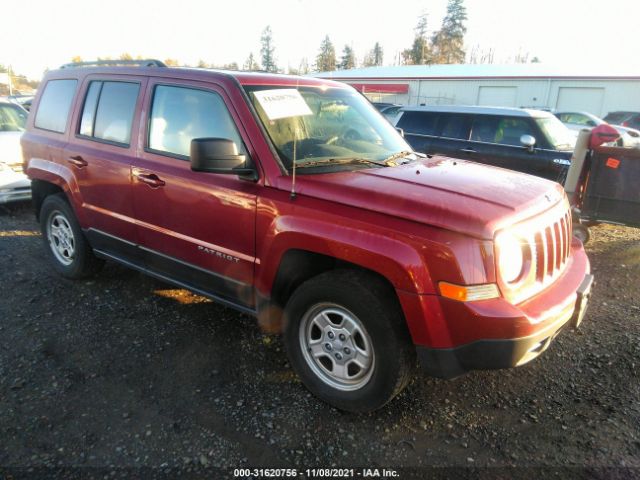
558 32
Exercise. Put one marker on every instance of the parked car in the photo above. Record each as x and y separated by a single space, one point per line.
257 190
624 119
577 121
388 110
14 184
529 141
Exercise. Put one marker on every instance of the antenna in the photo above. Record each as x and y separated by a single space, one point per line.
295 140
293 179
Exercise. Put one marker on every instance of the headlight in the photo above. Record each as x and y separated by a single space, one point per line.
511 256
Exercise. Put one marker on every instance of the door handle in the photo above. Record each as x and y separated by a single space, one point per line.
149 178
468 150
78 161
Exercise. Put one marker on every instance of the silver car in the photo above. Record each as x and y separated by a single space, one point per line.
576 121
14 184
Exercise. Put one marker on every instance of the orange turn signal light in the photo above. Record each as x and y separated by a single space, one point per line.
469 293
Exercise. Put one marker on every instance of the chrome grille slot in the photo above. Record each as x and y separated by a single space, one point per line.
550 253
558 247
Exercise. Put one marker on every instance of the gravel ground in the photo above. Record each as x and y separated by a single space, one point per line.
121 373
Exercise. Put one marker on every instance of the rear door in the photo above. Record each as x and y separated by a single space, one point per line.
453 136
101 155
420 129
196 228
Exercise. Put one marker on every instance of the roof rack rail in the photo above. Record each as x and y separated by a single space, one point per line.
147 62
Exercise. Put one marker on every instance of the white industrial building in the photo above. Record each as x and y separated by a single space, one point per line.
522 85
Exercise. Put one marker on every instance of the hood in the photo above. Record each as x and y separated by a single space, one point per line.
457 195
10 150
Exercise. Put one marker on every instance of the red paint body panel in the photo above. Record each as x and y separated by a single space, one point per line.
415 225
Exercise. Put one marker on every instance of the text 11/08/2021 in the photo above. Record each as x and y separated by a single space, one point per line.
315 473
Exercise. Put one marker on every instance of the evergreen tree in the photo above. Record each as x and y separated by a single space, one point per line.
448 42
326 59
267 51
250 63
348 59
377 55
304 66
420 51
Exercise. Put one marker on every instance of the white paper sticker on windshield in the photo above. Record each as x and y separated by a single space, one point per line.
282 103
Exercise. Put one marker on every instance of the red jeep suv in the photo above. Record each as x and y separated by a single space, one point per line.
294 200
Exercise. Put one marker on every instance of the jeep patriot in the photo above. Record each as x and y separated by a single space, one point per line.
292 199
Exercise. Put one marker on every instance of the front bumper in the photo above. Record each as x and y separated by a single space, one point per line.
14 186
503 353
16 195
453 337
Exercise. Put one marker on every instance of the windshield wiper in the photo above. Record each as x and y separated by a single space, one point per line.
390 160
341 161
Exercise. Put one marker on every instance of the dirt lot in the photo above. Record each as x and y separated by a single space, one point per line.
122 372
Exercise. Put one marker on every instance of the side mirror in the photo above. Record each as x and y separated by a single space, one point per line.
400 131
603 134
218 155
528 141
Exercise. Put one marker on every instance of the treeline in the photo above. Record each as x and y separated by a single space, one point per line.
19 83
444 45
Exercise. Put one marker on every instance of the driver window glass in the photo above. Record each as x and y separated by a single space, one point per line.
180 114
505 131
511 129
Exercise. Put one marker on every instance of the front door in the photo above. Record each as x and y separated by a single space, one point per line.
496 141
194 227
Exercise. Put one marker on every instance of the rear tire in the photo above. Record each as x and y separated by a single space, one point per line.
68 249
347 339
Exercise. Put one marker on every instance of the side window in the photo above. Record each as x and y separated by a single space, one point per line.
180 114
510 130
485 128
108 111
455 126
12 118
55 105
422 123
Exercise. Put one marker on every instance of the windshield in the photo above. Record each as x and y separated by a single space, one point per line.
12 118
338 126
558 135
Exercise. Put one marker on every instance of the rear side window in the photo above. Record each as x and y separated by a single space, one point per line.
108 111
455 126
422 123
55 105
180 114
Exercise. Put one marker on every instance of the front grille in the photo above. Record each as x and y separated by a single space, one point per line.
552 248
546 243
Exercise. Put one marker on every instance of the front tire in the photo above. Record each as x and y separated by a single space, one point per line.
581 232
68 249
347 339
